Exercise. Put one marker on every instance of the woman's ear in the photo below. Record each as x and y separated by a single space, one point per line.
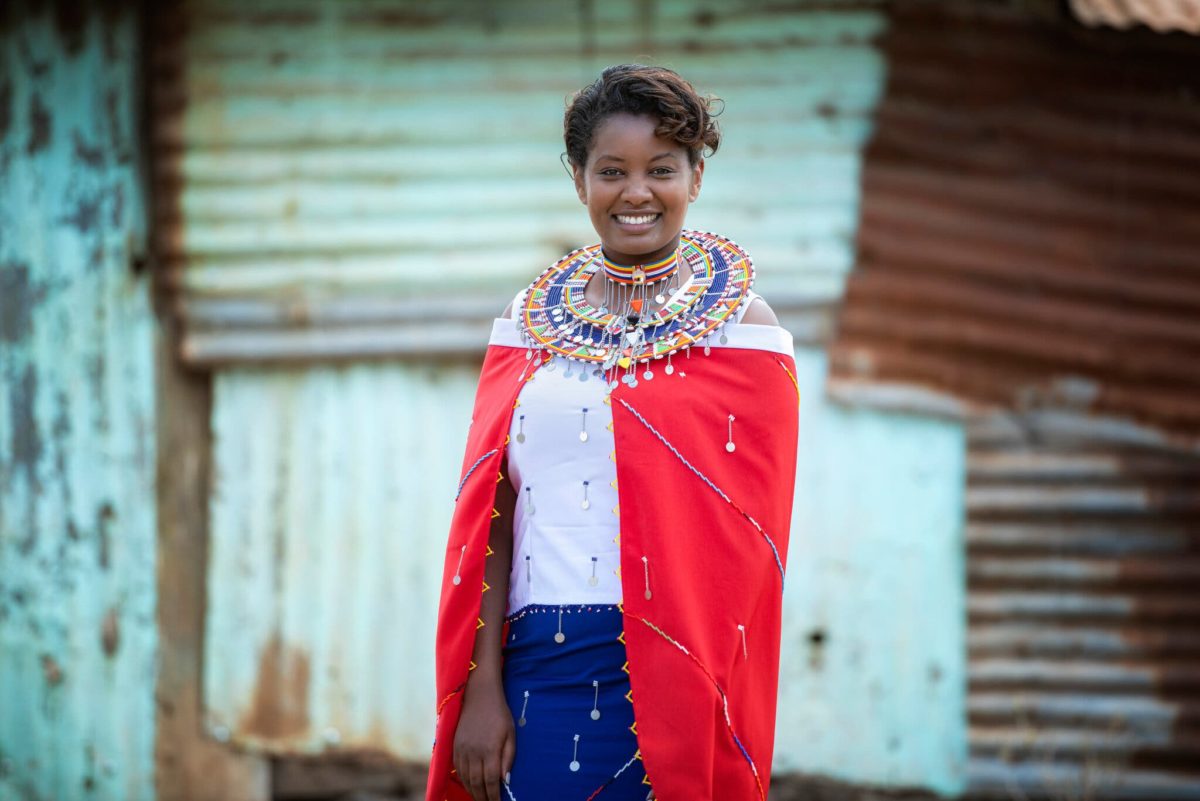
580 184
697 179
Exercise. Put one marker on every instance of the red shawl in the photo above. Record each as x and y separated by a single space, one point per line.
713 524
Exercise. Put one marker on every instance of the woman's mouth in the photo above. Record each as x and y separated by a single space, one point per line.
636 221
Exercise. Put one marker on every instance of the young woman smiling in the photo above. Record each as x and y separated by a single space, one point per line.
609 625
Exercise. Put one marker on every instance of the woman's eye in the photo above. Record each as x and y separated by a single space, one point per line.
662 171
609 172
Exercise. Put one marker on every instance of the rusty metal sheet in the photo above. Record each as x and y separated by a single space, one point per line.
1030 219
317 154
1084 625
331 497
1160 15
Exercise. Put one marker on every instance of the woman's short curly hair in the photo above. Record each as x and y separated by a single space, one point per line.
683 114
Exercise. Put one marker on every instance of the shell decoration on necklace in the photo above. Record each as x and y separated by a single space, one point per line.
555 316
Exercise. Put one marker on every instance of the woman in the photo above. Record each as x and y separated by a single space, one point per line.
609 625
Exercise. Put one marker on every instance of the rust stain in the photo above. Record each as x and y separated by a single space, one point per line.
110 633
279 708
51 671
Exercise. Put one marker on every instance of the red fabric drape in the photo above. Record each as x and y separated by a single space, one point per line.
713 528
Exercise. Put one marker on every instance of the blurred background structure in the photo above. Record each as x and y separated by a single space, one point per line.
249 255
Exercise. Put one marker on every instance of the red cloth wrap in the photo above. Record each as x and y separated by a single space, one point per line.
711 568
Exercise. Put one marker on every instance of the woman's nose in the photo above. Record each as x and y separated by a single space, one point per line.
636 191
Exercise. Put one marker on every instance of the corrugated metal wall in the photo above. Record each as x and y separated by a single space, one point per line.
1084 619
325 165
1030 219
77 418
331 497
324 162
1161 15
1031 215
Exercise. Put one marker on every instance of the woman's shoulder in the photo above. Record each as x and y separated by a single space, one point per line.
758 312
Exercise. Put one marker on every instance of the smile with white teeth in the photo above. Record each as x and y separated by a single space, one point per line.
641 219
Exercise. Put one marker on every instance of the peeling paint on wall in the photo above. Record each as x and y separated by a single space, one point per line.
77 516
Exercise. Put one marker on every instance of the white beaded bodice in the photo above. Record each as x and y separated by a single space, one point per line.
562 464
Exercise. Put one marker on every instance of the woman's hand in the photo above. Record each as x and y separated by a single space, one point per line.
485 743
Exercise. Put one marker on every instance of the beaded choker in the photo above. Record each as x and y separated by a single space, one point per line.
642 273
554 315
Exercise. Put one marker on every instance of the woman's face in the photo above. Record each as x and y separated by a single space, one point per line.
637 187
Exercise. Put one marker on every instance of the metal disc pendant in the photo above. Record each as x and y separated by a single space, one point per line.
549 368
595 714
649 595
574 765
456 580
586 505
583 376
647 375
669 369
521 437
559 637
660 298
707 349
628 378
521 722
567 373
583 437
724 338
729 446
593 581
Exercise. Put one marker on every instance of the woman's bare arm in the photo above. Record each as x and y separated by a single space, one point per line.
485 742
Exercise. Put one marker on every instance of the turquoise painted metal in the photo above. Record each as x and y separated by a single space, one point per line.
377 150
77 417
873 673
332 494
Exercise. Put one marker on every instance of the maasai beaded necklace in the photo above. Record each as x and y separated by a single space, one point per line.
626 291
555 316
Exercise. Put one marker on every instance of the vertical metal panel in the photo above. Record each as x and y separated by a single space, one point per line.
77 433
1084 620
873 668
331 498
316 156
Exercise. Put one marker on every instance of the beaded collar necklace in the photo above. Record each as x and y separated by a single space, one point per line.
642 273
554 315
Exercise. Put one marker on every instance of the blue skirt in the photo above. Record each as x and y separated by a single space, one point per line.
566 683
